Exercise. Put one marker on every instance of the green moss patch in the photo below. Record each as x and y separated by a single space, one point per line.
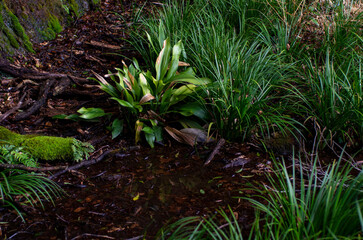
46 147
7 32
53 28
55 24
19 30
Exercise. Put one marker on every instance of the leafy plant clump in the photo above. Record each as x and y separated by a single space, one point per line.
313 207
46 147
149 99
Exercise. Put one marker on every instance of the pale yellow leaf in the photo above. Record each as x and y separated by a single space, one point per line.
146 98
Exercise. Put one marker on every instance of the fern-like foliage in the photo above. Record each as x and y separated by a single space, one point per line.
81 150
16 155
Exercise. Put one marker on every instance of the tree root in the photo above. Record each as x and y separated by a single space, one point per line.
52 84
83 164
43 96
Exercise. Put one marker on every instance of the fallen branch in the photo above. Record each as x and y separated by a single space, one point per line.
31 169
215 151
82 164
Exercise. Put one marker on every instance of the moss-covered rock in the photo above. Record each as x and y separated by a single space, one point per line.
8 136
38 20
19 30
46 147
49 148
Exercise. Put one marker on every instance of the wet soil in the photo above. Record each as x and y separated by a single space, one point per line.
138 191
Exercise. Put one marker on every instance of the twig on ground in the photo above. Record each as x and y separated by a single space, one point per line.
135 238
31 169
92 235
215 151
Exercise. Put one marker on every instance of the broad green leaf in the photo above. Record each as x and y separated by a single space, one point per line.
193 109
61 116
162 62
189 77
136 64
121 81
129 97
196 81
158 133
177 49
91 113
120 88
153 84
159 62
136 88
181 93
117 127
150 138
147 129
144 84
161 32
159 87
138 107
188 123
123 102
165 100
133 70
153 122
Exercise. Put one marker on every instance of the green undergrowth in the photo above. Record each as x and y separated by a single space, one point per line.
290 67
19 187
